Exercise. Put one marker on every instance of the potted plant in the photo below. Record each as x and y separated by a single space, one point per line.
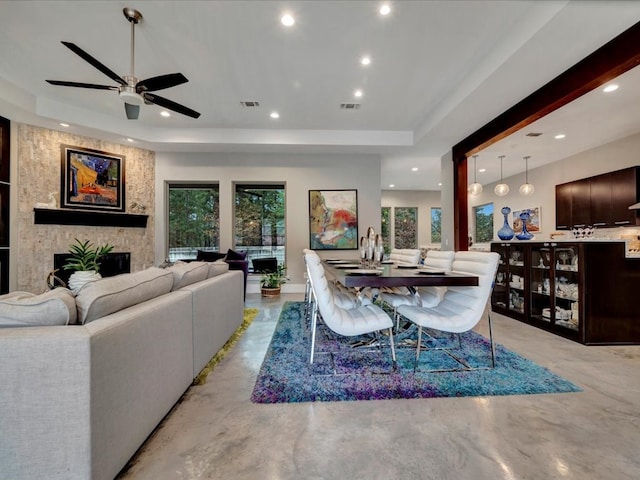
270 283
84 261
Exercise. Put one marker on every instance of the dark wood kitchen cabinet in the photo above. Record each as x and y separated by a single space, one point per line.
585 291
600 201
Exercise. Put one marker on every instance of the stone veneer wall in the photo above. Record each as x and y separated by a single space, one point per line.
39 173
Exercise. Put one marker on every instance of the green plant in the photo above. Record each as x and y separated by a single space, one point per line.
274 279
84 256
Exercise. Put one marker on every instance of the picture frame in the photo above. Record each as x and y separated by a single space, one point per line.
91 179
333 219
534 224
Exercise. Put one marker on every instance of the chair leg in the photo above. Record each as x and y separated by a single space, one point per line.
393 347
493 345
419 344
314 321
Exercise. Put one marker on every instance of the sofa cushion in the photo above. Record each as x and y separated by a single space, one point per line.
187 273
233 255
204 256
23 309
217 268
108 295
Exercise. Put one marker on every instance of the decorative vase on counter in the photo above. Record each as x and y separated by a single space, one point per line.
525 234
506 232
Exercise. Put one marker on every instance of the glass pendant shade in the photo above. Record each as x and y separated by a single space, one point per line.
526 188
501 189
475 188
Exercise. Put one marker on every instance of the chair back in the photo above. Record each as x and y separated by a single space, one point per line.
465 306
333 315
405 256
439 259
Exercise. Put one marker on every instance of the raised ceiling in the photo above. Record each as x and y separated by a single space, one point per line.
439 71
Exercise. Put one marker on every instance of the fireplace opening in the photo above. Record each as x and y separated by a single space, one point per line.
111 264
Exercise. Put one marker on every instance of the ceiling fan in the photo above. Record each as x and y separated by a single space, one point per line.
132 91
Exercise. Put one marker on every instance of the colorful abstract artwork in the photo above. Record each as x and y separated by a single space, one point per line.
333 219
533 224
91 179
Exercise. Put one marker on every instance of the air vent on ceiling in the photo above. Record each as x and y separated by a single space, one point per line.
534 134
349 106
250 104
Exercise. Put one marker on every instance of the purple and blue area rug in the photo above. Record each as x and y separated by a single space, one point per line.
366 374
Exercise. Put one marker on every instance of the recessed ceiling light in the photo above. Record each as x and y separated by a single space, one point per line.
64 125
274 115
164 113
385 9
482 170
287 20
440 184
130 140
414 169
365 60
391 185
560 136
357 93
610 88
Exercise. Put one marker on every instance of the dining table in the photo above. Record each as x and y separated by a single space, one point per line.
349 274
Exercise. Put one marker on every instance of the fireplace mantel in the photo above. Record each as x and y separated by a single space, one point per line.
60 216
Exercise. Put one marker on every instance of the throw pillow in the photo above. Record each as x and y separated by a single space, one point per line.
187 273
23 309
233 255
204 256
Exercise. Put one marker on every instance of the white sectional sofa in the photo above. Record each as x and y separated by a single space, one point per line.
77 401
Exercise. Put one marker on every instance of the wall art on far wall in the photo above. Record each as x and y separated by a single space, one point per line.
91 179
333 219
533 224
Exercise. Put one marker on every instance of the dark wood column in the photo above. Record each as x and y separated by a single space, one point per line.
609 61
4 204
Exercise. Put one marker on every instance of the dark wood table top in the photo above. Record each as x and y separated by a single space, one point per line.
392 276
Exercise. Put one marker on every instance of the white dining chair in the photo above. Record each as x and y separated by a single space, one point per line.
423 296
462 307
346 322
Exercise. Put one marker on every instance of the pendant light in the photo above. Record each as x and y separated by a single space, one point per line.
475 188
502 188
526 188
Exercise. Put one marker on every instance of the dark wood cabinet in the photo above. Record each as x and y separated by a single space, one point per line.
584 291
5 188
599 201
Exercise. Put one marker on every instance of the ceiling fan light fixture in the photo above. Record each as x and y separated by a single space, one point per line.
131 97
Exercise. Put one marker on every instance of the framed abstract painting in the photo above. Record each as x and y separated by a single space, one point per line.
333 219
91 179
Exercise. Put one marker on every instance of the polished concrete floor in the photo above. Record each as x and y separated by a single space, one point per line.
217 433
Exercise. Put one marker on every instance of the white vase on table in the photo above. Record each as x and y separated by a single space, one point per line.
81 277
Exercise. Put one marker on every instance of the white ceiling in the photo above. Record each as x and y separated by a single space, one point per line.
439 71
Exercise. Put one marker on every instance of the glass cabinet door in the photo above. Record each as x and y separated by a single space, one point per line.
500 294
540 283
516 278
566 288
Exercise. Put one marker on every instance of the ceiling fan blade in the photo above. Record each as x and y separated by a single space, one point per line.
171 105
81 85
132 111
160 82
89 59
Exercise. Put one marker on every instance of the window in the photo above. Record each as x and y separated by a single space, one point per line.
194 220
484 222
260 221
406 227
436 225
386 229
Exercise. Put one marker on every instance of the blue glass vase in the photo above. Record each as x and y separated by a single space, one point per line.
524 234
506 232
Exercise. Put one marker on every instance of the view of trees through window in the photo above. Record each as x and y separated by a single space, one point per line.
194 220
484 222
260 220
386 229
405 227
436 225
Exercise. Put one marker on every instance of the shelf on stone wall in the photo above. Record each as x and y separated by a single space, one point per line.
60 216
